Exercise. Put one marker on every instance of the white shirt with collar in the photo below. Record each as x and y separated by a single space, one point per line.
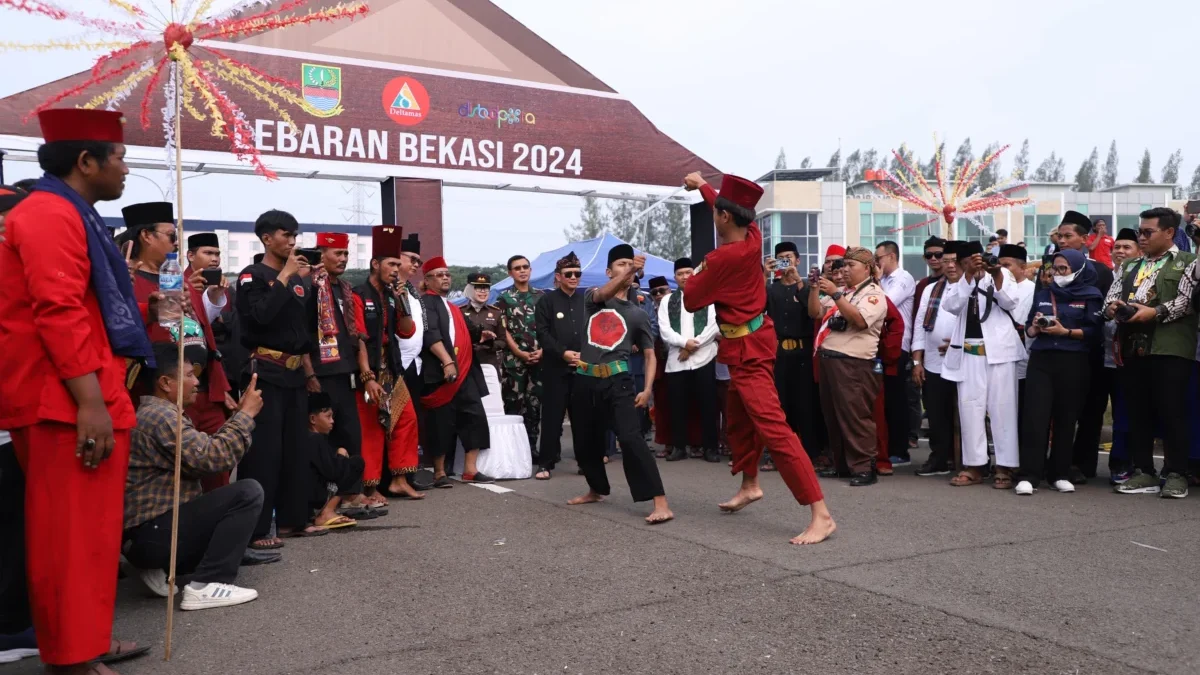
1000 338
900 287
1025 291
929 341
410 347
211 309
687 331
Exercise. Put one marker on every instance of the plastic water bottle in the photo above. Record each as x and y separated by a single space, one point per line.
878 366
170 286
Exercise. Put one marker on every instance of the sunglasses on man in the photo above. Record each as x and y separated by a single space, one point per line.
572 274
934 255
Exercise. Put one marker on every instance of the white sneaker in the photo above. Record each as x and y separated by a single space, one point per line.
155 581
1024 488
216 595
1063 486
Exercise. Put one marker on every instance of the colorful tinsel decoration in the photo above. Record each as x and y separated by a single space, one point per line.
947 197
155 40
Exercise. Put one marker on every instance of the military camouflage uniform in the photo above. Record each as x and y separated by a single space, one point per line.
522 386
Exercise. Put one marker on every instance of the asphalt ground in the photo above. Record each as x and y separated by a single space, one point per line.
920 578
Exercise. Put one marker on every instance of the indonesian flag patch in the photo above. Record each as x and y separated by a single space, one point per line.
606 329
245 278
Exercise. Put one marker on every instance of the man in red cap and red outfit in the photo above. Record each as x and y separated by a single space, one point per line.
453 381
332 365
386 410
731 278
75 335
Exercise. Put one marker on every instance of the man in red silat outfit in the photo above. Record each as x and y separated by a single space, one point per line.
72 332
891 339
731 277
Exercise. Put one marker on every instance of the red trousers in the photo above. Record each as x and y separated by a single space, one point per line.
883 460
756 420
209 417
74 518
401 446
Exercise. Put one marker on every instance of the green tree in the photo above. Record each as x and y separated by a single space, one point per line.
962 158
671 231
1088 174
835 160
1021 163
869 159
990 175
852 170
806 163
1112 166
929 170
1053 169
1194 188
1143 175
894 165
1170 173
592 221
781 160
620 213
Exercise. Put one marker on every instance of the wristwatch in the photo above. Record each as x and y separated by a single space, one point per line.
837 295
916 363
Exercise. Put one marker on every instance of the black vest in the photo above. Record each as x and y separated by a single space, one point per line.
379 319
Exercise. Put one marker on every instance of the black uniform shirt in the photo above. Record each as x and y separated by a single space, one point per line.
275 316
788 308
560 320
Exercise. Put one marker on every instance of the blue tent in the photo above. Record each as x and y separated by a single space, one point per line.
593 255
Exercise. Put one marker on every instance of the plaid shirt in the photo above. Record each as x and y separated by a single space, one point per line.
149 488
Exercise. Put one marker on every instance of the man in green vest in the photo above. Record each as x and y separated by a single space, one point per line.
1151 300
691 367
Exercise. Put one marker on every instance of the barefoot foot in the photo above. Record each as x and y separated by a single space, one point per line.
659 516
589 498
744 497
817 531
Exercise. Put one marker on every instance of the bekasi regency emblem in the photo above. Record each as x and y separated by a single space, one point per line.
322 89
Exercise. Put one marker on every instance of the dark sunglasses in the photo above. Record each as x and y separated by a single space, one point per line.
573 274
169 235
934 255
660 291
1147 232
519 268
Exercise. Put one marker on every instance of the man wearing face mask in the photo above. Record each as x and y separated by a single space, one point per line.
982 359
1062 322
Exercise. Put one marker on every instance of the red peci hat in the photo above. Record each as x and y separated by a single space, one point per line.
835 249
77 124
435 263
740 191
333 240
386 240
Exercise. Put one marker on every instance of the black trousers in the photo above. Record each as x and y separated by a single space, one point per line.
914 405
895 408
277 459
798 395
558 385
941 404
14 593
463 418
214 530
328 467
696 389
1086 450
1155 388
1058 383
604 404
347 430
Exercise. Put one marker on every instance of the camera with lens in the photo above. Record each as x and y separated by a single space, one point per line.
1043 321
838 323
1191 229
991 260
1124 313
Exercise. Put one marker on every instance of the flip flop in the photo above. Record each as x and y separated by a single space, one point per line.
337 523
443 483
301 534
117 654
539 476
265 547
357 513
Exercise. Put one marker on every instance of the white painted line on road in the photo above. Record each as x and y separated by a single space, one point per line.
1106 452
492 488
1155 548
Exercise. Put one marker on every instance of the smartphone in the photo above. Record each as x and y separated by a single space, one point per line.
814 275
312 255
1193 206
782 264
212 276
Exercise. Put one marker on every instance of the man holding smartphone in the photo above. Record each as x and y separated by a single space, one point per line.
207 288
276 320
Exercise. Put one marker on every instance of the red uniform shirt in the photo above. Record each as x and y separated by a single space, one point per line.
1103 251
51 328
891 338
732 279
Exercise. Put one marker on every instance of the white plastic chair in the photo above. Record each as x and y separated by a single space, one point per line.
509 458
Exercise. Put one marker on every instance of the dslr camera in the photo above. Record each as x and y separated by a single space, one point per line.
838 323
1124 313
1044 321
990 260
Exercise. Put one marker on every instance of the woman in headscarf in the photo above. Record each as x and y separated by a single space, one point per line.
1065 326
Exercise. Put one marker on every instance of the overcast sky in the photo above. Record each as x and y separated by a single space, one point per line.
735 81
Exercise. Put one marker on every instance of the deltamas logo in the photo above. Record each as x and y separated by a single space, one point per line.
405 101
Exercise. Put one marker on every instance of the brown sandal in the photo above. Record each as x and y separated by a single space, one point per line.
965 478
1003 480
